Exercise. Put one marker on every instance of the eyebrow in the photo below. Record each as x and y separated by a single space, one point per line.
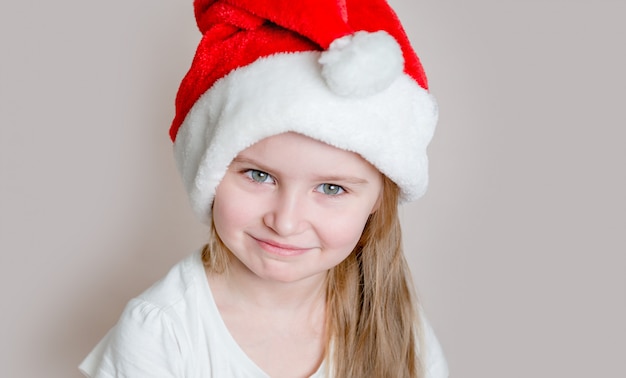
244 160
326 179
346 179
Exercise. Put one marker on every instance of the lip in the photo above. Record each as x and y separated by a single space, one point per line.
280 249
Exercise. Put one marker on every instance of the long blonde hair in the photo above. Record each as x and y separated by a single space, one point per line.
372 319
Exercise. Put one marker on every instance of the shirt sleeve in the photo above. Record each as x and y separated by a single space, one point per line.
142 344
435 361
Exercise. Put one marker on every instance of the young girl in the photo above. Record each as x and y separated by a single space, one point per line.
299 128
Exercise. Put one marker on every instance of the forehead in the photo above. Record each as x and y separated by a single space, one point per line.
293 149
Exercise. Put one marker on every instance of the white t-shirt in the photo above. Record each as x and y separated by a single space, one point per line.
174 329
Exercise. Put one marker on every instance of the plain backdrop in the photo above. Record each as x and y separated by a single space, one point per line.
517 249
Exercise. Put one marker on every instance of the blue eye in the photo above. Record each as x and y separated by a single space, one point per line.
259 176
330 189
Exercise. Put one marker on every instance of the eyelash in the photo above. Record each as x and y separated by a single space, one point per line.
249 173
340 190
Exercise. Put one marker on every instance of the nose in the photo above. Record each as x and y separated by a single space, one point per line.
286 215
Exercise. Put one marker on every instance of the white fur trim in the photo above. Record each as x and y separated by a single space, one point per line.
362 63
285 92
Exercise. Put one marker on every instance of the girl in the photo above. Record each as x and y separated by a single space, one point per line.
298 129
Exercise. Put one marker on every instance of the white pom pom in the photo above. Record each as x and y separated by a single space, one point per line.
362 64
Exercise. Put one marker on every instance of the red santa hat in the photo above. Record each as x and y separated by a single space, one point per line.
339 71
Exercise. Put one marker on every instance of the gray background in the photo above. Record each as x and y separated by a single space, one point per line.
517 249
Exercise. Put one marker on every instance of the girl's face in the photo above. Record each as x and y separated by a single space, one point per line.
291 207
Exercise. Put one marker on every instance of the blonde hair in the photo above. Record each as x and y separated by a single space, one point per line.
372 319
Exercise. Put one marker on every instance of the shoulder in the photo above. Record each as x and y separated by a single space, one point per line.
143 343
178 284
149 338
435 364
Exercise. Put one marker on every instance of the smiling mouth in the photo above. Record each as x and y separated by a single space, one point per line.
280 249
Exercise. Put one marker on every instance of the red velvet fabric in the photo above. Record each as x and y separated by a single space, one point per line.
237 32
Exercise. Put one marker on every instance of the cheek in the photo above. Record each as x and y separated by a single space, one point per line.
343 229
229 210
343 233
